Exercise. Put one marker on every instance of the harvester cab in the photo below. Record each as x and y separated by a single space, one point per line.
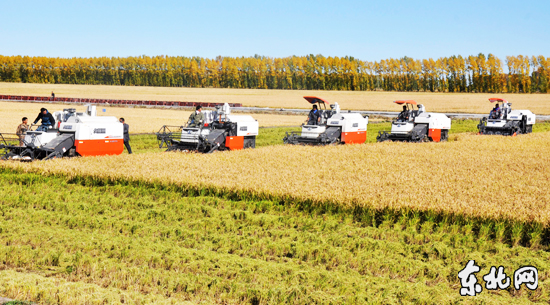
75 134
416 125
221 130
333 127
502 120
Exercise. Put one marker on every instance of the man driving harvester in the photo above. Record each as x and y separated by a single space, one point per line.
47 120
196 118
314 116
403 115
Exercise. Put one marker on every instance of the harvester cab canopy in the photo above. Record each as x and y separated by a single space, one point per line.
504 110
504 102
316 100
408 103
324 112
496 99
409 114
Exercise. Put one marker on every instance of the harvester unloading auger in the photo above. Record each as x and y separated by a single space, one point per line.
505 121
417 125
75 134
333 127
220 131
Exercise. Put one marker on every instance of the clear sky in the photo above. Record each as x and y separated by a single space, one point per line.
368 30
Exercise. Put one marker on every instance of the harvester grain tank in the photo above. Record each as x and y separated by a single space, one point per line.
221 130
417 125
505 121
333 127
75 134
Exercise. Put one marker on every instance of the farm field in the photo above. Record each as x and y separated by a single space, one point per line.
353 100
81 241
347 224
464 176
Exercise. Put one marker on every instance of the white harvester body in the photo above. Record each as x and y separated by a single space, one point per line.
221 130
506 121
417 125
75 133
333 127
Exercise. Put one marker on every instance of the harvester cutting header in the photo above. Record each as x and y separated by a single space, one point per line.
74 134
326 126
505 121
417 125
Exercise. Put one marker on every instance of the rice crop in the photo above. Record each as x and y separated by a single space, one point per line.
489 177
353 100
73 241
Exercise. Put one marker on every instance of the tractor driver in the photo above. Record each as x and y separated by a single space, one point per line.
196 118
314 117
496 113
403 115
47 120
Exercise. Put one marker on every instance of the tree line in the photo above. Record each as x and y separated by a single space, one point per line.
313 72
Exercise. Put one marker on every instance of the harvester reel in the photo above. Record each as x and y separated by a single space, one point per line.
164 138
383 136
290 138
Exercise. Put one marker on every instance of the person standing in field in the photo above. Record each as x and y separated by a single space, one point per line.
126 136
53 96
314 116
22 130
47 120
196 118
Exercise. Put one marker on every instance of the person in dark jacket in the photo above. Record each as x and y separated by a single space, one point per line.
403 115
126 136
314 116
47 120
495 113
498 112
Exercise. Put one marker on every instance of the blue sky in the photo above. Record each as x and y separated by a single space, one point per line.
368 30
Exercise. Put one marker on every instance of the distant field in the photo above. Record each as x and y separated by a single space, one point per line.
354 100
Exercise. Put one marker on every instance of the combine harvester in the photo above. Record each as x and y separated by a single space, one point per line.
221 131
77 134
334 127
505 121
417 125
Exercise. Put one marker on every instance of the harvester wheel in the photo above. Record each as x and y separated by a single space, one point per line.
444 135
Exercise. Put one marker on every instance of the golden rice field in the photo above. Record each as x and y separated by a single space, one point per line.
141 120
354 100
491 177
